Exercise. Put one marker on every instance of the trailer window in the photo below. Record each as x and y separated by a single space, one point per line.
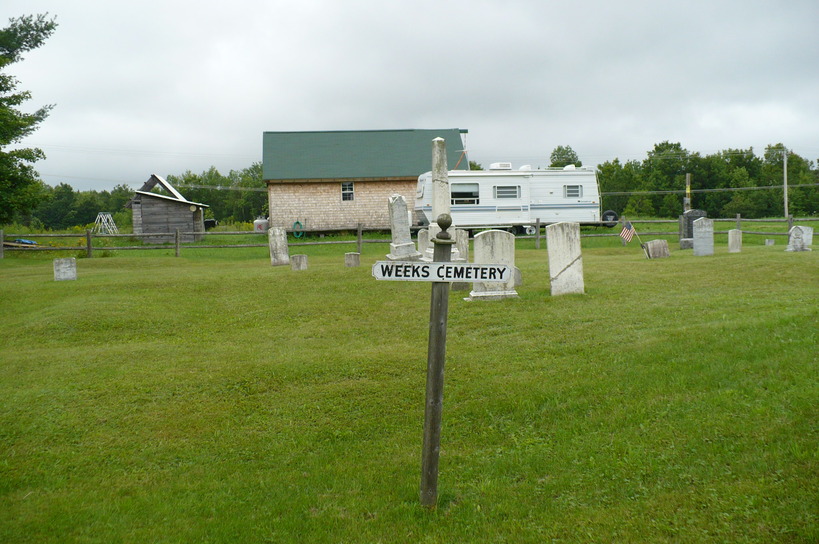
572 191
347 191
464 193
507 191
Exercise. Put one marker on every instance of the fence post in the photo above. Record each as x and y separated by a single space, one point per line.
790 222
681 221
88 246
358 234
537 233
177 239
739 222
2 240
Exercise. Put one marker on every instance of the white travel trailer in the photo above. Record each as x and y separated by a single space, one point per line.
504 198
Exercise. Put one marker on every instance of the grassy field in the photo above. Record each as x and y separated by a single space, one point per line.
213 398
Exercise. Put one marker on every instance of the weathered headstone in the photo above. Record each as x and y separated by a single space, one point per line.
799 238
423 241
298 262
279 252
657 249
703 237
687 226
402 247
769 241
494 247
462 243
734 241
65 269
565 259
352 259
686 243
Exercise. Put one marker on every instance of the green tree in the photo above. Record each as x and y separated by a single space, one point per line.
564 156
20 187
475 165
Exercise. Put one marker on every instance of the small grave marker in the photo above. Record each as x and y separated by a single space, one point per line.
65 269
657 249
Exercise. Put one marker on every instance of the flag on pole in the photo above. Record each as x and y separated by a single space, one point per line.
628 232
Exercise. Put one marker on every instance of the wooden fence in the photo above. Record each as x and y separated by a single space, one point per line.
89 248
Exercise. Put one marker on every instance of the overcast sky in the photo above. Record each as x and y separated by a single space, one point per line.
168 86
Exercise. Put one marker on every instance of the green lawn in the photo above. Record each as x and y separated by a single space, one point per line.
213 398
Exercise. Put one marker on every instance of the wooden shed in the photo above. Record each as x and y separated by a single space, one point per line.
164 212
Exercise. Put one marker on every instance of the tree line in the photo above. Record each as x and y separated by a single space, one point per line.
726 177
648 188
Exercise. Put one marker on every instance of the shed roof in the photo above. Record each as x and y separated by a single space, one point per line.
176 196
356 153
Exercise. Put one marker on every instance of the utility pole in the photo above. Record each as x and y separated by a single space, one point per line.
785 178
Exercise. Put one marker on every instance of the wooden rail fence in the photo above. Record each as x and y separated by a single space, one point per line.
89 248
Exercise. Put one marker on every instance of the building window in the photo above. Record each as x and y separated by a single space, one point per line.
464 193
507 191
572 191
347 191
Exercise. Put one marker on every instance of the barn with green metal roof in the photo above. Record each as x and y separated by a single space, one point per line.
339 179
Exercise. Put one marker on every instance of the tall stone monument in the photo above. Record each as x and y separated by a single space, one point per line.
494 247
441 198
402 247
565 259
703 237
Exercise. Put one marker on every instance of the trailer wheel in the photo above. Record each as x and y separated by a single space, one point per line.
530 230
610 218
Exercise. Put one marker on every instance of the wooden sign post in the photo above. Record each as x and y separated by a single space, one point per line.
441 272
436 356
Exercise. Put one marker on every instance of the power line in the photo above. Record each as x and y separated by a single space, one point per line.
724 189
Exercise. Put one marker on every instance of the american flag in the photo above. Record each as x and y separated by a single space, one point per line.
628 232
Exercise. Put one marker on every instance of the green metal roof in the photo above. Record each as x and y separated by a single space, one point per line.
356 153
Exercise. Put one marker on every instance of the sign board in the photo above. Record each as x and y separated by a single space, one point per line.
441 272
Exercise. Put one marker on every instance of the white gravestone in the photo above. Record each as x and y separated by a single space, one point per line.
565 259
298 262
703 237
279 252
799 239
494 247
462 243
65 269
734 241
352 259
769 241
423 241
402 247
657 249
